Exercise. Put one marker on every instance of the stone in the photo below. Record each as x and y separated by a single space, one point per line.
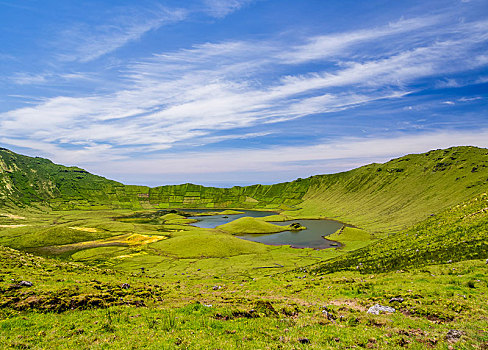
125 286
378 309
453 335
25 284
397 299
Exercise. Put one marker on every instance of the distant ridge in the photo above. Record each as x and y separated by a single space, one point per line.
379 197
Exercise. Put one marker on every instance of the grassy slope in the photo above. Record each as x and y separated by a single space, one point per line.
77 306
378 197
27 181
352 238
251 225
393 196
456 234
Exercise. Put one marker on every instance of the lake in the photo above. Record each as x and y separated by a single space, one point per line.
309 238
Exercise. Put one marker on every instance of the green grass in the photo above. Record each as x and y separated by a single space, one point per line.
72 305
456 234
253 225
352 238
426 217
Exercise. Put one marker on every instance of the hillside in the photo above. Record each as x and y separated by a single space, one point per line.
377 197
27 181
146 279
392 196
456 234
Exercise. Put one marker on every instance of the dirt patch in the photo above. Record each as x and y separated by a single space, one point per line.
352 304
12 216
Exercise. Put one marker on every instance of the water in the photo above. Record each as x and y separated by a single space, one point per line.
312 237
217 220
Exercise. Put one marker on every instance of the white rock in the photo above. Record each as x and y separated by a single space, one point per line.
378 309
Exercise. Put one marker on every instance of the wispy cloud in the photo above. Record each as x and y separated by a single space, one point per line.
186 96
339 155
323 46
84 42
221 8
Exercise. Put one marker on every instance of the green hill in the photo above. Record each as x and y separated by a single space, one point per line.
252 225
456 234
385 197
146 279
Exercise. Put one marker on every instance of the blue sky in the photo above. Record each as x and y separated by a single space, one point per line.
238 92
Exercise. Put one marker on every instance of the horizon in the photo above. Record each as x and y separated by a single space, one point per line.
226 185
239 92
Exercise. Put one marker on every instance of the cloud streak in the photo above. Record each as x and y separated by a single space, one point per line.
329 157
189 96
85 43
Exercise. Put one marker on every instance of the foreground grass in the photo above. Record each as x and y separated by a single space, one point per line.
74 306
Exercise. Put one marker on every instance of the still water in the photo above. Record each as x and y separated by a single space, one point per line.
312 237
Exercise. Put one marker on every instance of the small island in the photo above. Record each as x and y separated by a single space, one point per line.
253 225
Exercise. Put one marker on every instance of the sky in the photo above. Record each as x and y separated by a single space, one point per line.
237 92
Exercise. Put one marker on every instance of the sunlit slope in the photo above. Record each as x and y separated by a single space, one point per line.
456 234
377 197
401 192
27 181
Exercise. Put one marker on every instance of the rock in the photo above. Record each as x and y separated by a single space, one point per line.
216 287
25 284
397 299
453 335
125 286
377 309
304 340
328 315
449 261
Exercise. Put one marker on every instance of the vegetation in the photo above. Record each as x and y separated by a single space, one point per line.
117 266
456 234
379 198
253 225
72 305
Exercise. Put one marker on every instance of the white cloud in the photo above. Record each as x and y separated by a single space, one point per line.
187 95
221 8
342 154
29 79
320 47
84 42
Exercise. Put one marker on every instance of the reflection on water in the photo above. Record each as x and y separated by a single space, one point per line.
312 237
217 220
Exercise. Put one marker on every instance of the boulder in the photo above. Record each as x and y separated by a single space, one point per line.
378 309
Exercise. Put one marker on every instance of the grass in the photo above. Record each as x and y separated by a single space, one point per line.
85 307
253 225
456 234
116 273
352 238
